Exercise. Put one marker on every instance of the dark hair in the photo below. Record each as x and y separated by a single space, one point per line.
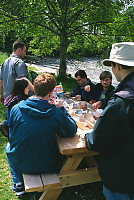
18 88
81 73
105 74
18 44
123 66
43 84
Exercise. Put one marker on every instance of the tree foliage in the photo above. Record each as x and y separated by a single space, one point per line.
68 24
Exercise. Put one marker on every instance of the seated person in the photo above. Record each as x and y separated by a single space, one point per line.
19 92
34 125
100 91
82 80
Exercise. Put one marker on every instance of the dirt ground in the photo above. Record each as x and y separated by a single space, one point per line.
92 66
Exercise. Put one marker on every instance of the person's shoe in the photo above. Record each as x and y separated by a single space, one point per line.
18 188
5 130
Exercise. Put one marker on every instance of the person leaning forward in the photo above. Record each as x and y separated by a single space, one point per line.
34 125
113 134
82 80
12 68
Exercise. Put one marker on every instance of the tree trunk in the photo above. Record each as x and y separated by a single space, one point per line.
63 55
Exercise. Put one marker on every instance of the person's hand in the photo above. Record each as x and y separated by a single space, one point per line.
2 99
96 105
58 103
78 96
67 94
87 88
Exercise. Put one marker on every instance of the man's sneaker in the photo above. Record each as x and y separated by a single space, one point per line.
5 130
18 188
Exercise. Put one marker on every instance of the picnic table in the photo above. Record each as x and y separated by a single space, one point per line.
71 173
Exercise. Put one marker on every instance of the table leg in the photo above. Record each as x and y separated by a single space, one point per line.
70 164
50 194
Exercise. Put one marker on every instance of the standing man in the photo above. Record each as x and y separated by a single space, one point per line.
82 80
12 68
113 134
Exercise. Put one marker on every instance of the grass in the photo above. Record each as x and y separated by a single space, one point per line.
92 191
3 56
32 68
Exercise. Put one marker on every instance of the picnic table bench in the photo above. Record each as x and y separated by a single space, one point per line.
70 175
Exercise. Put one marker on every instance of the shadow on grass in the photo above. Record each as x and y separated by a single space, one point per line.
91 191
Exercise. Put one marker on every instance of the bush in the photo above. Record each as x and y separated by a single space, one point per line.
3 57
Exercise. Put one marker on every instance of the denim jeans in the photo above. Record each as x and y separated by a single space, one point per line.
116 196
16 177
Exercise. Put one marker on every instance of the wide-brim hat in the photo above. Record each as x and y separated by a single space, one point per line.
121 53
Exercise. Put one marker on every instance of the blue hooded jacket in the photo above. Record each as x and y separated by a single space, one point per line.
32 147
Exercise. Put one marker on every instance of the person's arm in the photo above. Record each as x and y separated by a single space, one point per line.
97 104
1 92
76 91
67 126
22 72
109 130
30 85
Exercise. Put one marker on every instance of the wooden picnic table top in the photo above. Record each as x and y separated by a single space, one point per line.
76 144
73 145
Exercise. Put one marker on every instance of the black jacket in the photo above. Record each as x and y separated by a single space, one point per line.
79 89
113 138
96 92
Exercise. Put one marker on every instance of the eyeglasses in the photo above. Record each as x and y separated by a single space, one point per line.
106 80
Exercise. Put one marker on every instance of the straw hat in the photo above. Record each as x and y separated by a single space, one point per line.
121 53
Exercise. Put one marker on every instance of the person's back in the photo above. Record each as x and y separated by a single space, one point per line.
113 134
9 72
34 125
12 68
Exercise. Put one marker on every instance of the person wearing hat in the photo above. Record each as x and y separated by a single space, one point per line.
113 133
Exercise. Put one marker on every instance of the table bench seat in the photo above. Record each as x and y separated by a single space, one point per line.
40 182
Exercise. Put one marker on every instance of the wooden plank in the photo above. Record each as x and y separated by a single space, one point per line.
50 181
74 145
32 183
50 194
72 163
78 177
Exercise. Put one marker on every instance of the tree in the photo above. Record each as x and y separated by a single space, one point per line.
62 20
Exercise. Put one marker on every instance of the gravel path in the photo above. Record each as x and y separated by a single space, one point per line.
92 66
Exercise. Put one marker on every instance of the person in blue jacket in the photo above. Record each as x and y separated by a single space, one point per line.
34 126
113 133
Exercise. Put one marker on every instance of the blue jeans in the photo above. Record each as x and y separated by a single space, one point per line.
16 177
116 196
